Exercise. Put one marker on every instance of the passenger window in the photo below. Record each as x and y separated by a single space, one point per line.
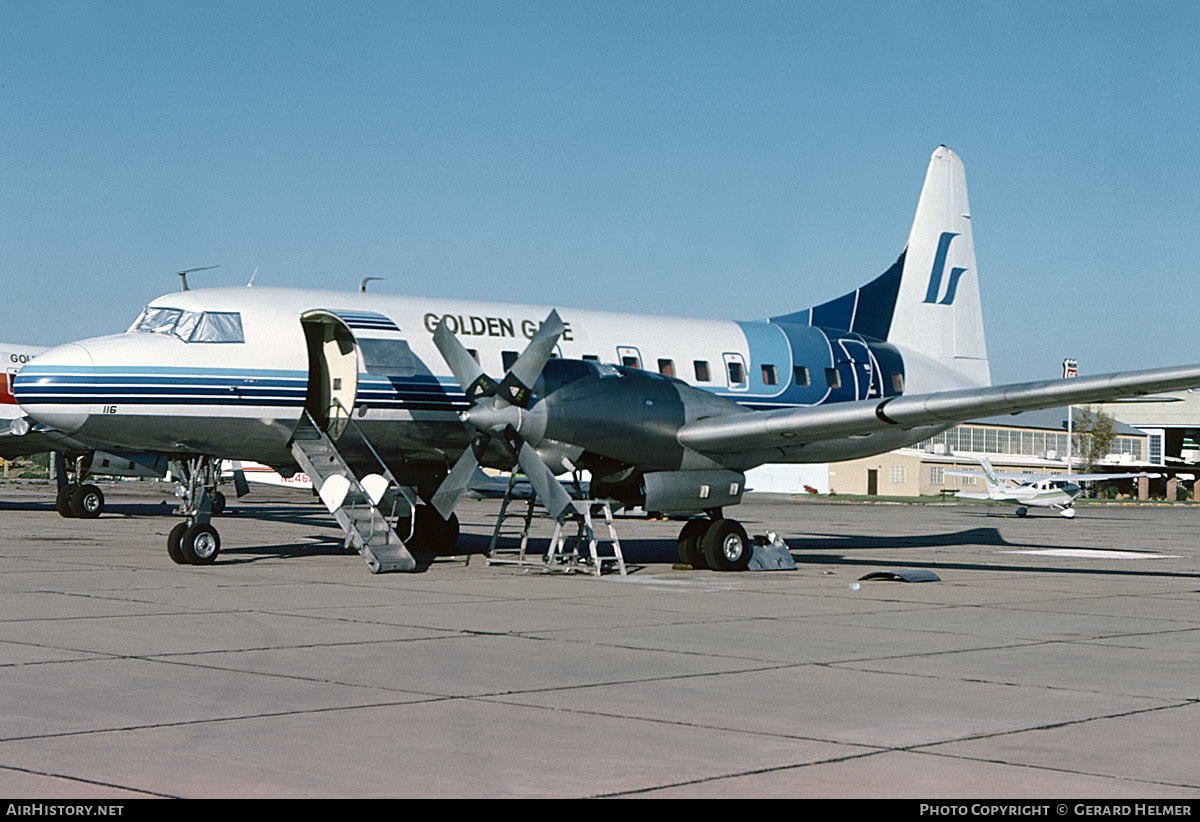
666 368
701 371
508 358
630 362
770 377
474 355
832 378
591 358
898 383
737 375
800 375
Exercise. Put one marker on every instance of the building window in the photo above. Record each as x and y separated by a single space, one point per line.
937 474
897 474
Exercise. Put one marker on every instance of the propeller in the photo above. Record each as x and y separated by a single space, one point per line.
497 412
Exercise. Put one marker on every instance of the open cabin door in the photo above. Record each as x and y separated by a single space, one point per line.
332 371
341 345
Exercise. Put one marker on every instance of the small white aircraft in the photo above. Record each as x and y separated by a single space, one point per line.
386 403
1054 491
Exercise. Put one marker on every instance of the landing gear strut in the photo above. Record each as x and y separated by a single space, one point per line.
195 541
715 543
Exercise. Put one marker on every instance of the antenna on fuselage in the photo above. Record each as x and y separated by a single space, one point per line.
183 286
252 276
362 287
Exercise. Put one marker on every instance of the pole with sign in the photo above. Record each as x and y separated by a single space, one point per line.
1070 371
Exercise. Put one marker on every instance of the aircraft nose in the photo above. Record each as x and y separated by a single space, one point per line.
56 388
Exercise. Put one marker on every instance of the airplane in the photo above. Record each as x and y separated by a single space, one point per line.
78 461
1055 491
254 472
387 404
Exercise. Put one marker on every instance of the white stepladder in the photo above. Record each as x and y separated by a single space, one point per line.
567 551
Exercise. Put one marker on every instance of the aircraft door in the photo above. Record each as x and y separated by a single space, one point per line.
862 365
332 372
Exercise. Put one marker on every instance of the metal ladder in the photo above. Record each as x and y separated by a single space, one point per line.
498 555
357 505
566 551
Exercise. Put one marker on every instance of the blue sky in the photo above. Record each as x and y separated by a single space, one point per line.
717 159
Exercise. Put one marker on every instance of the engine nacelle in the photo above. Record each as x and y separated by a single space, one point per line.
622 414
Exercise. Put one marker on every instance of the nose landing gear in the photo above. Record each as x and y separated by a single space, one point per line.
195 541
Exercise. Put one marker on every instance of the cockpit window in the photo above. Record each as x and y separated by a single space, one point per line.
218 327
157 320
191 326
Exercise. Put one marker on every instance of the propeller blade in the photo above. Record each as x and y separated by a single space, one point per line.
517 385
471 378
455 484
550 492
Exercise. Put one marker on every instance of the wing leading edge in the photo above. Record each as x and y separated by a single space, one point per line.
757 432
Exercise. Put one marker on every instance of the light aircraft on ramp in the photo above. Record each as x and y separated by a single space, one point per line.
387 404
1055 491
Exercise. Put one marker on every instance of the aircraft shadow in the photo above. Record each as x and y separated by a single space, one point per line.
826 549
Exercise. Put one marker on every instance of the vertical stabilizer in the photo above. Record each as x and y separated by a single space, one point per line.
992 481
938 320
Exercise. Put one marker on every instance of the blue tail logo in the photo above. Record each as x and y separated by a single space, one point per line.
939 270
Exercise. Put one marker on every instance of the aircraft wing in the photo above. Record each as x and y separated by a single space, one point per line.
1004 475
759 433
1093 477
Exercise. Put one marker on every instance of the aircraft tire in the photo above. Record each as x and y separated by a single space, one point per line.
218 502
448 539
1022 511
87 502
726 546
62 501
174 541
200 544
432 534
689 543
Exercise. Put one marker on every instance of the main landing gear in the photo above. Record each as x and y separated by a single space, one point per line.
195 541
77 498
715 543
430 534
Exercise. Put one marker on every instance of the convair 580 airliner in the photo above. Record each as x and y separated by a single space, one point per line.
666 413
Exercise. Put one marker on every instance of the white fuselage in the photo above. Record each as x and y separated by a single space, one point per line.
241 396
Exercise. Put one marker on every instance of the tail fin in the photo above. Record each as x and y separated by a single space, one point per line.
989 476
938 316
927 304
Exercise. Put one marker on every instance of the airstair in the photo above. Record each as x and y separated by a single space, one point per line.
363 508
